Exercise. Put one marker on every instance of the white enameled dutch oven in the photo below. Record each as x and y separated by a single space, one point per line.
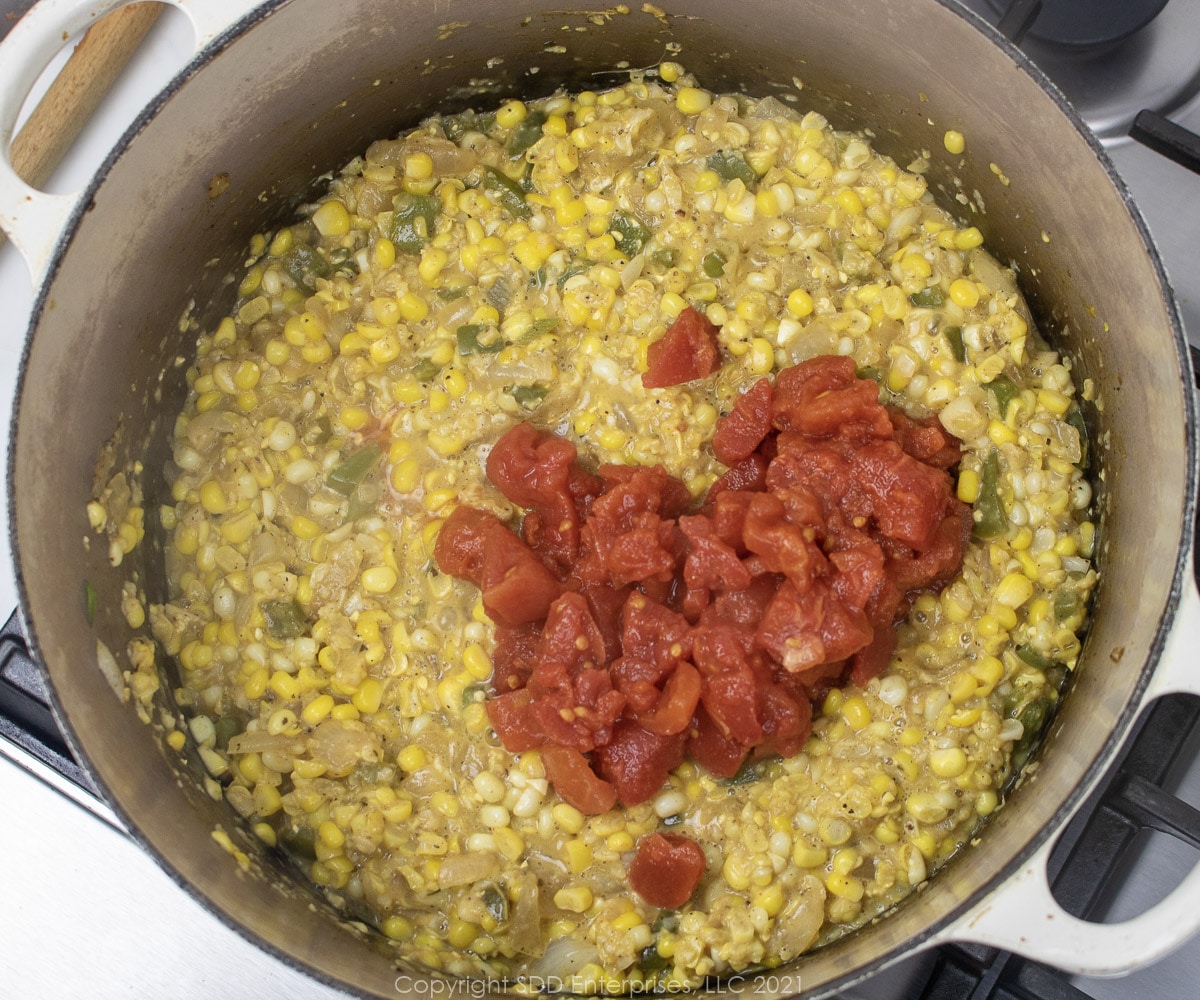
281 92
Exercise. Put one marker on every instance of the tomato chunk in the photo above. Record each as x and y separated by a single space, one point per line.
686 352
478 546
742 430
637 762
573 778
666 869
680 695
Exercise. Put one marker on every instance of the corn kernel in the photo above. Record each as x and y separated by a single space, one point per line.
575 899
568 818
948 763
411 758
800 303
845 886
385 253
964 293
1014 590
968 239
850 201
1001 433
368 697
692 100
317 709
578 855
332 218
511 113
954 142
477 662
761 357
212 497
856 713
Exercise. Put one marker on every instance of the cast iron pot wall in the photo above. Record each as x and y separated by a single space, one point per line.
310 84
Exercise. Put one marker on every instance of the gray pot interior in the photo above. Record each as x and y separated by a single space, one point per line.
311 84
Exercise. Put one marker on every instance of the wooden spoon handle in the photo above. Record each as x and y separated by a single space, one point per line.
72 98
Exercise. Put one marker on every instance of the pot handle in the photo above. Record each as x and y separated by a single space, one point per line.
1023 915
34 220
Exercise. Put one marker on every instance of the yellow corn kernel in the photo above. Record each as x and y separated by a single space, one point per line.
737 872
304 527
477 662
968 486
770 899
850 201
379 579
966 718
915 266
368 697
385 253
620 841
411 758
987 670
317 709
418 166
332 218
800 303
962 686
1001 433
761 357
317 353
510 843
575 898
856 713
412 307
954 142
987 802
511 113
1014 590
964 293
948 763
568 818
578 855
692 100
255 686
284 685
212 497
968 239
397 928
612 438
1054 401
406 475
845 886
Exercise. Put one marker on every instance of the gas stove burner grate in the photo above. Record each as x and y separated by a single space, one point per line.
1090 26
1116 59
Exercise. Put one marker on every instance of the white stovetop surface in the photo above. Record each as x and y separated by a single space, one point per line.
84 911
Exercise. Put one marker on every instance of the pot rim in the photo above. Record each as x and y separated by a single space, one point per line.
935 928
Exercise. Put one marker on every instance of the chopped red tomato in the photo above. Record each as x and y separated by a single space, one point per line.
712 749
510 717
750 473
666 869
637 762
680 695
573 778
907 497
537 469
516 587
686 352
632 629
926 440
742 430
